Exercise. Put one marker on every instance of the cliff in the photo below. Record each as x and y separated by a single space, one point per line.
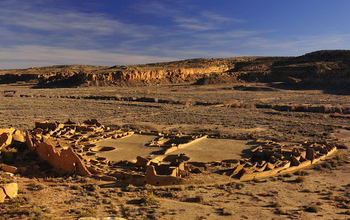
316 68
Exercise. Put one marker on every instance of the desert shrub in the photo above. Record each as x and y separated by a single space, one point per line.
196 199
299 179
327 165
89 212
224 212
287 175
35 187
301 173
275 205
148 200
312 208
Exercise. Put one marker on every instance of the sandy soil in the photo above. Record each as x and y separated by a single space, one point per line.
319 192
208 150
127 148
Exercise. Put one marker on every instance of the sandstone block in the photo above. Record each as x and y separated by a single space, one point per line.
2 195
11 189
8 168
5 140
19 136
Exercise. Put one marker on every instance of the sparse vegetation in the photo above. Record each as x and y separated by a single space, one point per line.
287 175
149 200
20 206
35 187
281 211
299 179
195 199
301 173
312 208
275 205
88 212
224 212
257 110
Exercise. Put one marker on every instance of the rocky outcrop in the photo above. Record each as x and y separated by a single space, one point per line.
131 76
322 68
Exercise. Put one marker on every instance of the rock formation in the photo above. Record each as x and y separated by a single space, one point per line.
320 68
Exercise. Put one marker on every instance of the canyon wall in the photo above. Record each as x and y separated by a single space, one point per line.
323 68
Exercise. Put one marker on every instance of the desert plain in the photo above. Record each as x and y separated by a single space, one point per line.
226 107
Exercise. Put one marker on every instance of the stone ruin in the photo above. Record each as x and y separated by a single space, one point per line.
8 186
270 158
71 148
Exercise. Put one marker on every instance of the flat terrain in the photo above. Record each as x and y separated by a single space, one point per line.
127 148
47 104
320 192
208 150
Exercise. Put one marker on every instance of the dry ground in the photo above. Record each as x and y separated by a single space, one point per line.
321 192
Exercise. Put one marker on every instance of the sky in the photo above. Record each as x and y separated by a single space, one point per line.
111 32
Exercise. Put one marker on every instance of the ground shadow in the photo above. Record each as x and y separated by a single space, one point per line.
326 89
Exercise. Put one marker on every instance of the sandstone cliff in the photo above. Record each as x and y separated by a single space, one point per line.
317 68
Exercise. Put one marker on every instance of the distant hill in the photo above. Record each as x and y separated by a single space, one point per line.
321 68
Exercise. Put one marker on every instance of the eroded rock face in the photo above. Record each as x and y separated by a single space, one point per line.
130 76
64 160
320 68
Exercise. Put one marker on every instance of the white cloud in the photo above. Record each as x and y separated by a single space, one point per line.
36 55
203 21
296 45
68 21
157 8
220 18
230 34
196 26
34 36
198 20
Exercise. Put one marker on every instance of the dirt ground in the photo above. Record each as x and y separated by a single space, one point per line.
319 192
127 148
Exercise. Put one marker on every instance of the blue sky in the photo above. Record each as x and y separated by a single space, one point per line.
109 32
